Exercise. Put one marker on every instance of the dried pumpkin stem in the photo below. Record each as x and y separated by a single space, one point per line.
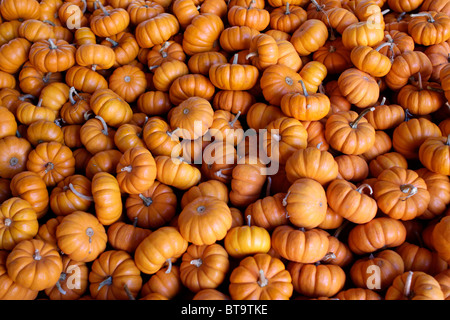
364 186
287 9
169 268
49 166
381 46
448 140
196 262
383 101
407 290
251 4
62 277
13 161
305 92
79 194
105 126
235 59
424 14
219 174
232 122
114 43
39 104
7 222
105 12
249 220
386 11
401 16
37 255
106 282
328 257
147 200
262 281
73 91
419 80
49 22
354 124
409 189
128 292
53 46
284 202
26 96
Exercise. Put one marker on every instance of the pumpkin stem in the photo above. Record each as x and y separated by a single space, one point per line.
262 282
408 115
107 281
401 16
49 166
162 51
371 257
287 9
39 104
363 186
381 46
354 124
196 262
79 194
340 228
147 200
328 257
235 119
128 292
105 126
105 12
409 189
53 46
251 54
235 59
448 140
135 221
419 79
249 220
169 268
391 47
424 14
73 91
13 161
153 67
383 101
7 222
289 81
90 233
251 4
319 145
219 174
284 202
49 22
318 8
94 67
170 133
62 277
305 92
114 43
201 209
407 290
37 255
26 96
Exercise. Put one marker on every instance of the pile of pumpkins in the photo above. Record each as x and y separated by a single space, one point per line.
224 149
